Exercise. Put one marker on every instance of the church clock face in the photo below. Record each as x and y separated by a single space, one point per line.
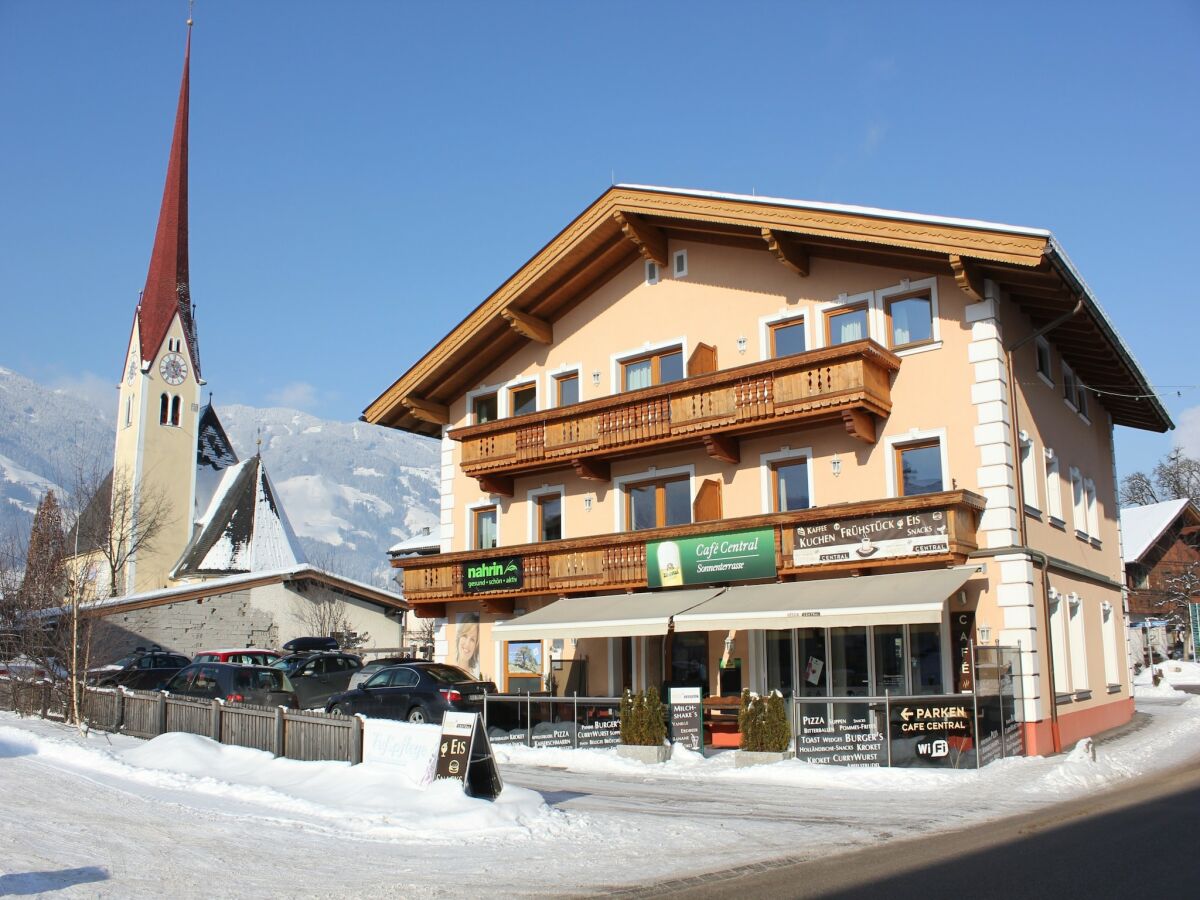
173 368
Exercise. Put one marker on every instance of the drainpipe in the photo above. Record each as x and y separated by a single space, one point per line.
1022 528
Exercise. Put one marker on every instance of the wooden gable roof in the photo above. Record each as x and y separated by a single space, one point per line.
628 222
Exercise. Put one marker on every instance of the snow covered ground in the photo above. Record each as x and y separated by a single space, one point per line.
1175 673
180 816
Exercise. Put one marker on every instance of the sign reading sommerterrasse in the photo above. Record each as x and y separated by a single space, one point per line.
729 556
872 537
503 574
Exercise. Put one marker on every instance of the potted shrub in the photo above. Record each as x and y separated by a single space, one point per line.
643 728
765 731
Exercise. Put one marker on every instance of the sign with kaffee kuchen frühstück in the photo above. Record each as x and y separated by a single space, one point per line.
872 537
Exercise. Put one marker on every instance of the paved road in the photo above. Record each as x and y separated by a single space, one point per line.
1137 840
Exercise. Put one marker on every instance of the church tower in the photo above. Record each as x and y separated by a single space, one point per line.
154 464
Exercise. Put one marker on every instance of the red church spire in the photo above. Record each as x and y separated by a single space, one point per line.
167 290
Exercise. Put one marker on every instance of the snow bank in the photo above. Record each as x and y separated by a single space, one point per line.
1175 671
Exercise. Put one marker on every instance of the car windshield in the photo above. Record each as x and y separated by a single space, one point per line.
443 674
126 660
290 664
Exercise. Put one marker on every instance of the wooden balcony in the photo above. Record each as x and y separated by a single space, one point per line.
617 562
850 383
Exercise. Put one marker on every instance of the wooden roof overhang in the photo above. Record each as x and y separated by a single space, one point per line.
627 223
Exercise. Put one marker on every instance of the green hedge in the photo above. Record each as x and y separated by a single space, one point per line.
643 719
763 724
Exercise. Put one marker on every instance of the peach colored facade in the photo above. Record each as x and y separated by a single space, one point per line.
1045 540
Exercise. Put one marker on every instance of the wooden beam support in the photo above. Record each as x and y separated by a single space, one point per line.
723 447
429 610
496 484
499 606
427 410
592 469
859 424
651 241
967 277
788 251
529 326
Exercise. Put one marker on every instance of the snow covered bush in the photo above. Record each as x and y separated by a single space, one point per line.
643 719
763 724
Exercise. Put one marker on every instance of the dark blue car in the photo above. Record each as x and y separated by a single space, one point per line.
415 692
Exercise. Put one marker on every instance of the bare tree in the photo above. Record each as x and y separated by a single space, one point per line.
1175 477
1180 587
128 526
328 617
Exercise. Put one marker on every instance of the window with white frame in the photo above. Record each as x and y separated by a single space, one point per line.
1093 509
1112 670
654 498
651 272
1078 505
1078 637
1058 643
1042 349
787 480
918 463
546 513
1070 387
485 527
847 323
1081 398
1053 487
1029 476
679 266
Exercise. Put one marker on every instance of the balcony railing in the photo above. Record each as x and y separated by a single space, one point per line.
617 562
851 382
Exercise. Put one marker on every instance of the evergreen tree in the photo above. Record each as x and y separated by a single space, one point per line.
42 585
628 727
655 721
776 734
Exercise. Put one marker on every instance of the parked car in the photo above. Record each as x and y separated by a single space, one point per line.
311 644
23 668
246 656
416 692
318 676
234 683
140 670
374 666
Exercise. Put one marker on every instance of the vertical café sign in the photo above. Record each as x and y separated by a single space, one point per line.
503 574
728 556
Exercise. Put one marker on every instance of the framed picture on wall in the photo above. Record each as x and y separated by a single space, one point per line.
524 658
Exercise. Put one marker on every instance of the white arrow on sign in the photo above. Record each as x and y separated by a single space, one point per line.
906 714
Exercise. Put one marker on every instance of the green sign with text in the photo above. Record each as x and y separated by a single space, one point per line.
504 574
729 556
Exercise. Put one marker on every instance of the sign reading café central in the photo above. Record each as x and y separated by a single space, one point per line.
872 537
728 556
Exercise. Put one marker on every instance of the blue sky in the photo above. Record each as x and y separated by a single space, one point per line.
363 174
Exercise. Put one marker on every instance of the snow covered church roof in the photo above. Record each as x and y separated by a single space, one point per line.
243 530
213 447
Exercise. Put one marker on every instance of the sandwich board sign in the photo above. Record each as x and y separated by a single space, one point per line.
465 755
686 717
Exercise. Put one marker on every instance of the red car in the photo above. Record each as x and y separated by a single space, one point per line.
244 656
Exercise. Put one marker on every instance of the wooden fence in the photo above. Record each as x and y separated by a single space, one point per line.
292 734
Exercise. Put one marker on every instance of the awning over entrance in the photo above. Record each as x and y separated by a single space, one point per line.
904 598
611 615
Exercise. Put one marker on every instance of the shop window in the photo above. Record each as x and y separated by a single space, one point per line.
919 468
658 503
890 674
522 400
660 367
779 661
1042 349
910 320
689 659
787 337
846 324
566 389
164 409
789 479
1053 487
925 648
849 665
485 530
549 517
485 408
814 662
1029 477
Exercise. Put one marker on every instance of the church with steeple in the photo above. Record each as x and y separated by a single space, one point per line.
188 523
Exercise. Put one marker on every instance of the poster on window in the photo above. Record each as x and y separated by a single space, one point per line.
525 658
869 538
466 642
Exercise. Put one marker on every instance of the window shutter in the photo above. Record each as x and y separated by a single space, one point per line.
702 361
707 507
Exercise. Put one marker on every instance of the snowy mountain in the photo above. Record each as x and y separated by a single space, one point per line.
350 490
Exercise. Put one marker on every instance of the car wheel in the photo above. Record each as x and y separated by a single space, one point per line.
418 716
343 709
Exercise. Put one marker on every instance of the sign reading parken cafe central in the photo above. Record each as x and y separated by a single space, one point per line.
503 574
872 537
729 556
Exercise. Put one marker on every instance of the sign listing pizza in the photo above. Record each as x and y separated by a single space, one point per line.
868 538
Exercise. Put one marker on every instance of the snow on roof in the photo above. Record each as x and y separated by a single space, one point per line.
244 528
842 208
1142 526
230 583
422 540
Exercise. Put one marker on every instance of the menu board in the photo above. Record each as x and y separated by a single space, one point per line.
686 717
